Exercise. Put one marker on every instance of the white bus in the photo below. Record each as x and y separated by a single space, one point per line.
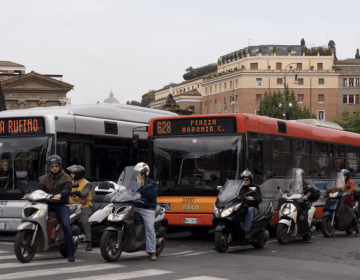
98 137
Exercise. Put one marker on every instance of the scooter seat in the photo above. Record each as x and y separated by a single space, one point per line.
263 208
97 202
158 210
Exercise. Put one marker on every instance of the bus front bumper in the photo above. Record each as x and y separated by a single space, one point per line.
189 219
9 224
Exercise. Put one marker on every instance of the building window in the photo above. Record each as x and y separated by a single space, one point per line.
258 98
279 82
321 98
237 83
184 90
300 98
210 89
230 84
220 87
256 112
299 66
253 66
300 82
192 108
224 100
236 99
232 100
356 99
198 86
215 102
205 104
278 66
205 90
351 99
345 98
321 115
259 82
192 87
215 88
351 82
210 104
319 66
321 83
357 82
225 86
345 82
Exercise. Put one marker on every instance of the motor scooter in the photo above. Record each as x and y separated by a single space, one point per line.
126 230
336 215
229 213
40 229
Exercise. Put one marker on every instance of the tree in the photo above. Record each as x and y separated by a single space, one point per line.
269 103
349 122
147 98
2 100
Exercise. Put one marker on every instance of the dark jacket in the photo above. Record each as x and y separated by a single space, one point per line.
149 195
49 185
256 195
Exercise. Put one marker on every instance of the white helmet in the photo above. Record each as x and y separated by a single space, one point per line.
141 168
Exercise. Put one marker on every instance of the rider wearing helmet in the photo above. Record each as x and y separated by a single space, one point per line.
348 196
82 195
252 200
147 209
49 185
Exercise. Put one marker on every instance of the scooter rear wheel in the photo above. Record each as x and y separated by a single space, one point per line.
282 234
23 251
160 248
108 246
326 227
260 244
221 241
350 230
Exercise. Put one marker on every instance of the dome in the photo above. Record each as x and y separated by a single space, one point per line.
111 99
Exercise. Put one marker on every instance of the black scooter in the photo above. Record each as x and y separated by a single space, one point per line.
229 214
127 230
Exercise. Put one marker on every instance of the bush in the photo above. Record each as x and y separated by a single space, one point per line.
269 66
202 71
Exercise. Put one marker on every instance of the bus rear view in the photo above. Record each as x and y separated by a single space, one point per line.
191 157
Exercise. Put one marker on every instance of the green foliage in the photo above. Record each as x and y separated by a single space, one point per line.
289 50
202 71
260 50
269 103
147 98
348 121
274 49
239 54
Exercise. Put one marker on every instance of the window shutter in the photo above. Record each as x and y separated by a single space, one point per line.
279 81
321 97
319 66
321 81
301 81
300 97
299 66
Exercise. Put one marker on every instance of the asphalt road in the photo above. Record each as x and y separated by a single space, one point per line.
188 257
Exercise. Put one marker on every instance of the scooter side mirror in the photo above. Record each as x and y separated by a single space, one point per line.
148 187
219 188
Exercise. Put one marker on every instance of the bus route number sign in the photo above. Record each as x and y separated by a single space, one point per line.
195 126
22 126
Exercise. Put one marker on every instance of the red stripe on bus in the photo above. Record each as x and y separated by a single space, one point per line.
178 219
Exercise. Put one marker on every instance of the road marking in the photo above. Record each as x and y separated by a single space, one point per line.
194 254
127 275
14 257
34 263
181 253
203 278
56 271
2 252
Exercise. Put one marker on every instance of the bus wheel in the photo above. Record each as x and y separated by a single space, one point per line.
23 251
282 234
326 227
199 231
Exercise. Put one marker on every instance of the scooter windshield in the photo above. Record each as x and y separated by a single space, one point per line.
126 195
337 181
294 181
230 190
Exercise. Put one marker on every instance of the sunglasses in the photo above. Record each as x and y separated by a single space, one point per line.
246 180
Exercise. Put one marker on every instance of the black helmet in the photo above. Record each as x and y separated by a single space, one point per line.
346 173
246 174
54 159
78 171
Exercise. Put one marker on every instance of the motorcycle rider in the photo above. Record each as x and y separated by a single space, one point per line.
252 201
82 195
348 197
147 209
49 185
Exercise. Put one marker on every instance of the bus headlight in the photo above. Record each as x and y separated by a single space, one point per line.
229 210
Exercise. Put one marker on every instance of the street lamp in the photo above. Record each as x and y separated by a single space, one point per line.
289 107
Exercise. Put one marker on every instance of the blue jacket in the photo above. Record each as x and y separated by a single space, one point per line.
149 195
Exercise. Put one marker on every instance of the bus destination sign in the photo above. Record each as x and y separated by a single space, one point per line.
22 126
195 126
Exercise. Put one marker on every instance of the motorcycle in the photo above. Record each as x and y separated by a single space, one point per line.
229 213
126 230
336 215
291 224
40 229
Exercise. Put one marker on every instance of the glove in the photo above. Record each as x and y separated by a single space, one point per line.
75 194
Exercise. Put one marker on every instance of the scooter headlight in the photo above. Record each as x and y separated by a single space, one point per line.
216 211
115 218
31 212
229 210
335 194
33 196
286 211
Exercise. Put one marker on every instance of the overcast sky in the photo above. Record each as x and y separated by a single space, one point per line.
130 47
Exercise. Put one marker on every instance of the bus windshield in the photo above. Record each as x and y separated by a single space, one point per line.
22 159
204 161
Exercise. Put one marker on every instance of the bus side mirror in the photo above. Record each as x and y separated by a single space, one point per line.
135 141
61 150
253 146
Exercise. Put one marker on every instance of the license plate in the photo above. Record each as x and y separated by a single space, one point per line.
168 206
4 226
191 220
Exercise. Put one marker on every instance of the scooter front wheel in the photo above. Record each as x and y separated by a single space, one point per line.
23 251
221 241
160 248
282 234
326 227
110 249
